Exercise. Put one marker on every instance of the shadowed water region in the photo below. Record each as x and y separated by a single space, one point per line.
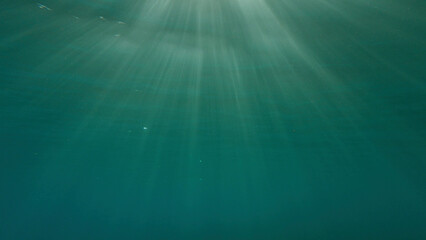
213 119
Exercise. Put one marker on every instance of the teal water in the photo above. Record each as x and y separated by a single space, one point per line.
202 119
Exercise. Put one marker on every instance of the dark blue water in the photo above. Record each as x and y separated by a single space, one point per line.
226 119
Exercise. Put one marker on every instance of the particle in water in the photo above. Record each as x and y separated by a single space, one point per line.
41 6
145 128
102 18
120 22
117 35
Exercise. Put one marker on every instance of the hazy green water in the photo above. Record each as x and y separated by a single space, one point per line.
265 119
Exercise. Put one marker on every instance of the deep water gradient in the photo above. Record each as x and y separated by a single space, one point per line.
213 119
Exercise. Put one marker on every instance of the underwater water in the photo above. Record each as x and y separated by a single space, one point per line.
213 119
